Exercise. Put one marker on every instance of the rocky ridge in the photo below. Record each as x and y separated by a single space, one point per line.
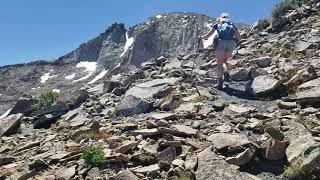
163 120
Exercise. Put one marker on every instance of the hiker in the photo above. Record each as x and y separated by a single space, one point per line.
228 36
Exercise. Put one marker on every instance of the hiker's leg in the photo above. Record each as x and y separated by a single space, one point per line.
220 61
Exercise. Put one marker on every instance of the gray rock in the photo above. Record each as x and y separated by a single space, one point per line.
211 166
124 175
299 146
240 74
310 84
74 98
263 85
168 155
242 158
185 130
10 124
66 173
23 106
131 105
224 140
191 163
6 159
263 62
152 89
109 86
310 96
147 169
126 146
94 174
302 45
146 132
174 64
274 149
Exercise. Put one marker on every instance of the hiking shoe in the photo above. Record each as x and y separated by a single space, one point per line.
220 84
226 76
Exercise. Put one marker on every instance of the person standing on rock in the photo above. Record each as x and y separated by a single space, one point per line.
228 36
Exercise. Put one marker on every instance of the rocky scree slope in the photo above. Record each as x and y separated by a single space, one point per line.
153 123
110 53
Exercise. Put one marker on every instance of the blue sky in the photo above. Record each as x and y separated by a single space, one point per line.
46 29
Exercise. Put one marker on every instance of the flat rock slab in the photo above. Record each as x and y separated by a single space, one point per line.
210 166
151 89
166 116
147 169
125 175
185 130
146 132
10 124
310 84
66 173
299 146
309 96
224 140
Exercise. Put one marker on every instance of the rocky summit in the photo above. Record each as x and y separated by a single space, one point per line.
141 104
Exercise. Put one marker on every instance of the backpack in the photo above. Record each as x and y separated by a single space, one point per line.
226 30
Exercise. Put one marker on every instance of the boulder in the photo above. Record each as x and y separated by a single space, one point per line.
174 64
109 86
309 97
302 45
210 166
299 146
10 124
240 74
147 169
274 149
124 175
74 99
157 88
6 159
132 105
58 107
264 85
168 155
48 115
225 140
23 106
263 62
66 173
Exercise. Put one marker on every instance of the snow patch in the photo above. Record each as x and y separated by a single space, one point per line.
159 16
56 91
5 114
0 94
99 76
128 44
45 77
209 41
71 76
118 65
90 68
51 70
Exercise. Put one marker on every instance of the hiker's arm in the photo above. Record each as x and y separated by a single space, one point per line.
206 36
238 36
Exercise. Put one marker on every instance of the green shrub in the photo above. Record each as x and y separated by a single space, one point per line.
47 98
286 5
93 156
